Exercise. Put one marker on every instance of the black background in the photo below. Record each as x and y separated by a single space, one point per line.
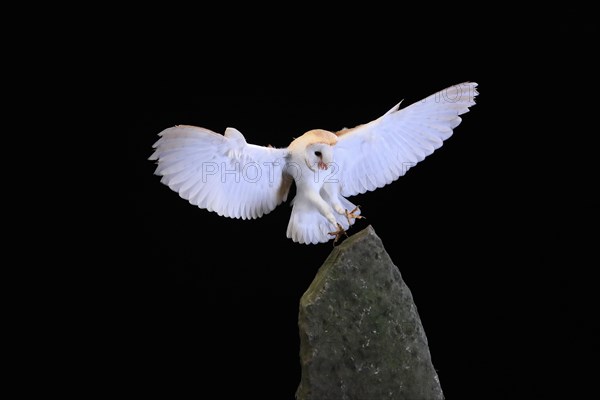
486 231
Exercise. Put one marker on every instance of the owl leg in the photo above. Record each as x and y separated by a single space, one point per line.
324 208
340 209
327 211
335 198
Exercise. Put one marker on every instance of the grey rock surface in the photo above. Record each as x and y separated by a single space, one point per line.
361 336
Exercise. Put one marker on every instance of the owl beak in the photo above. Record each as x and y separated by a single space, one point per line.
322 165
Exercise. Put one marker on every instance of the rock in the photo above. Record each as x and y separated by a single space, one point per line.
360 332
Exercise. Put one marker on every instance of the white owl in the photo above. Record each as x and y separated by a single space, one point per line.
225 174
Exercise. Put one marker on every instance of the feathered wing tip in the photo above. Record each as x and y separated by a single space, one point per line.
457 98
439 112
465 92
394 109
462 95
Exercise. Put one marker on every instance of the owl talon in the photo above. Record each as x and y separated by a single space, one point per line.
338 234
350 214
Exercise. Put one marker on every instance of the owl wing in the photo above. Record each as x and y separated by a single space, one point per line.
373 155
222 173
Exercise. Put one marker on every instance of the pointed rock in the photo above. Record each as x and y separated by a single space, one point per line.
361 336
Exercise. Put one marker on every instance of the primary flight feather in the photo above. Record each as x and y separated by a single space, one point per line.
225 174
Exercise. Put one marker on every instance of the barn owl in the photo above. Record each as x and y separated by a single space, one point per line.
227 175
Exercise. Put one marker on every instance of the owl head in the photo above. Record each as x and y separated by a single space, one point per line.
316 147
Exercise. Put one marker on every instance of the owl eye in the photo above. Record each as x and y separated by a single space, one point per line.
318 153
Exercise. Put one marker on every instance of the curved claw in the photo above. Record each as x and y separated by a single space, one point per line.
350 214
338 234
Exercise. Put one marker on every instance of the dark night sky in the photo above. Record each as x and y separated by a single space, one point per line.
470 228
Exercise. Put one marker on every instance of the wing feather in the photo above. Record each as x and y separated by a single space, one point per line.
377 153
211 171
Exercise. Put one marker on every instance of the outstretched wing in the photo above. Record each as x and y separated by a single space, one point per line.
372 155
222 173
